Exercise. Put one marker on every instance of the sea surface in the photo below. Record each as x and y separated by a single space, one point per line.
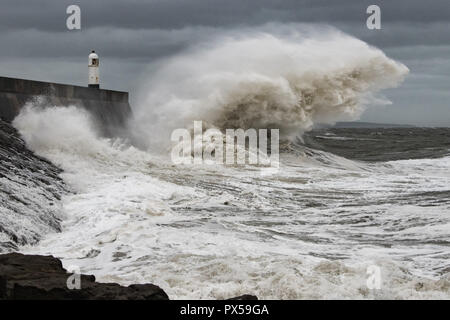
344 201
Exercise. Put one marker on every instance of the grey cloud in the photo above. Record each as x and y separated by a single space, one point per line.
167 14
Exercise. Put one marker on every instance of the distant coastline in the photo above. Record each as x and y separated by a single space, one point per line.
361 124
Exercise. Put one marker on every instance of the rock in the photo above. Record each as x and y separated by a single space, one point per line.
245 297
30 190
43 277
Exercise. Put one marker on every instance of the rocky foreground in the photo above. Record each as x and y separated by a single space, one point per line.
25 277
43 277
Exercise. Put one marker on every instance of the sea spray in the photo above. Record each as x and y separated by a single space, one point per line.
263 81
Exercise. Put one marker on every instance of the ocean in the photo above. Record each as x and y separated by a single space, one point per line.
342 201
350 214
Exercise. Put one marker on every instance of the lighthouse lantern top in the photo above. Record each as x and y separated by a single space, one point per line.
93 59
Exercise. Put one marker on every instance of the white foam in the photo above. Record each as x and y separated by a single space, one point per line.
256 79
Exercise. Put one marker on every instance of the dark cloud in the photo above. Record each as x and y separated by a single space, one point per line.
167 14
130 34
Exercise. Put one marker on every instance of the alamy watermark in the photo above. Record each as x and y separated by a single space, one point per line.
236 146
73 21
74 280
374 20
373 281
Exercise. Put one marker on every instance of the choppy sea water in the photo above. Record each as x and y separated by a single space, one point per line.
342 201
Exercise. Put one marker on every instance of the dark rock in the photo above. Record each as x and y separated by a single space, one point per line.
245 297
31 277
30 190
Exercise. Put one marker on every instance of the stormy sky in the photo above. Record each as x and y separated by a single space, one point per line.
131 34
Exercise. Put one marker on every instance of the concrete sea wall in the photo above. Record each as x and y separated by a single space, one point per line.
110 108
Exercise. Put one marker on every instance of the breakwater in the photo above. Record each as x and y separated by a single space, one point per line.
110 108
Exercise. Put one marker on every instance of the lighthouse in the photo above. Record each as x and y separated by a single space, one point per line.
93 70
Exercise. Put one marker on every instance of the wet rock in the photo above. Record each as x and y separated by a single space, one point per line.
43 277
30 190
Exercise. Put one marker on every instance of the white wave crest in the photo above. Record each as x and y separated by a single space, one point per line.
265 81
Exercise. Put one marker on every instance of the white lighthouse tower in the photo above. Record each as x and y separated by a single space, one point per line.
93 71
